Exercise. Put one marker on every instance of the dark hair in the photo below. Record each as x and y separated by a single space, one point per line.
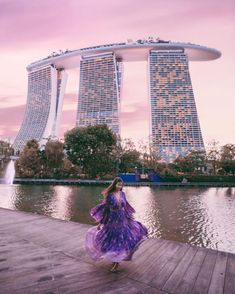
112 186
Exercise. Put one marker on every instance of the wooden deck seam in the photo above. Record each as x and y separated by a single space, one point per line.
212 270
210 277
190 265
225 274
178 265
166 263
141 282
154 257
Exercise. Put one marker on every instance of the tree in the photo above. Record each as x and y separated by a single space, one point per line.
193 162
29 164
6 151
227 161
228 152
126 156
182 164
53 156
130 159
197 159
213 156
91 148
69 170
150 156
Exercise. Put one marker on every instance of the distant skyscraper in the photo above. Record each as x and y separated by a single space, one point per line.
175 127
174 122
45 97
99 91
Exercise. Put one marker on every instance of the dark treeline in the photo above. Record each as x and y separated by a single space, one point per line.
95 152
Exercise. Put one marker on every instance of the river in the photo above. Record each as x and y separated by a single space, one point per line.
200 216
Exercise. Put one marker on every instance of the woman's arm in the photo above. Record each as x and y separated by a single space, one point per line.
106 212
128 204
128 208
101 211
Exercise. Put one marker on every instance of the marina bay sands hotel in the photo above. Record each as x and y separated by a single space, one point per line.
174 124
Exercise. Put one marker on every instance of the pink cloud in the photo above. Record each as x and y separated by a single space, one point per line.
10 120
138 112
75 22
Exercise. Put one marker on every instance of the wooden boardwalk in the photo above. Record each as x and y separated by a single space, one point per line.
39 254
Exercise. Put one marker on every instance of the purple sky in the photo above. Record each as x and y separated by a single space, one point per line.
31 30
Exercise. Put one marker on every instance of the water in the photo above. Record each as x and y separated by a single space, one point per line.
9 173
200 216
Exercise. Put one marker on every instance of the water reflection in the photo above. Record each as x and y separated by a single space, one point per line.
200 216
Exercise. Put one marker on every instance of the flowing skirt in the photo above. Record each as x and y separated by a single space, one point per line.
116 241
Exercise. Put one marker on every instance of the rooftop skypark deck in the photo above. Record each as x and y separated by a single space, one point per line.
126 51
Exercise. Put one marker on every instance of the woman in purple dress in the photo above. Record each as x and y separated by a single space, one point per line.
117 235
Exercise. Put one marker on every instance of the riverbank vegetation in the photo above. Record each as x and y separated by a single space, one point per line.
6 151
95 152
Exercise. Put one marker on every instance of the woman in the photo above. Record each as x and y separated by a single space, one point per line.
117 235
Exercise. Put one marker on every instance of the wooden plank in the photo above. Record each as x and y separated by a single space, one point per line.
18 265
229 286
145 289
33 232
116 287
50 289
27 229
39 220
83 281
181 265
143 262
149 269
77 280
6 225
218 276
12 272
164 273
142 256
187 282
49 241
16 251
54 275
124 285
47 255
146 248
204 276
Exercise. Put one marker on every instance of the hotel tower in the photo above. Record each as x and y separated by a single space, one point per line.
99 91
46 87
174 121
174 125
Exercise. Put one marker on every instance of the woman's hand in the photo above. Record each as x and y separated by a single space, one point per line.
99 226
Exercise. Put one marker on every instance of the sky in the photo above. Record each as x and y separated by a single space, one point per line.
31 30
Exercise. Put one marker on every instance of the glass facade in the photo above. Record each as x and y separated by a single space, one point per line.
43 106
174 124
175 128
99 91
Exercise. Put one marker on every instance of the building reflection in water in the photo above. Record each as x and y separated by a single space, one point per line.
200 216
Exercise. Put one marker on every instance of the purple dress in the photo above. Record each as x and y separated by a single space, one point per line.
120 236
